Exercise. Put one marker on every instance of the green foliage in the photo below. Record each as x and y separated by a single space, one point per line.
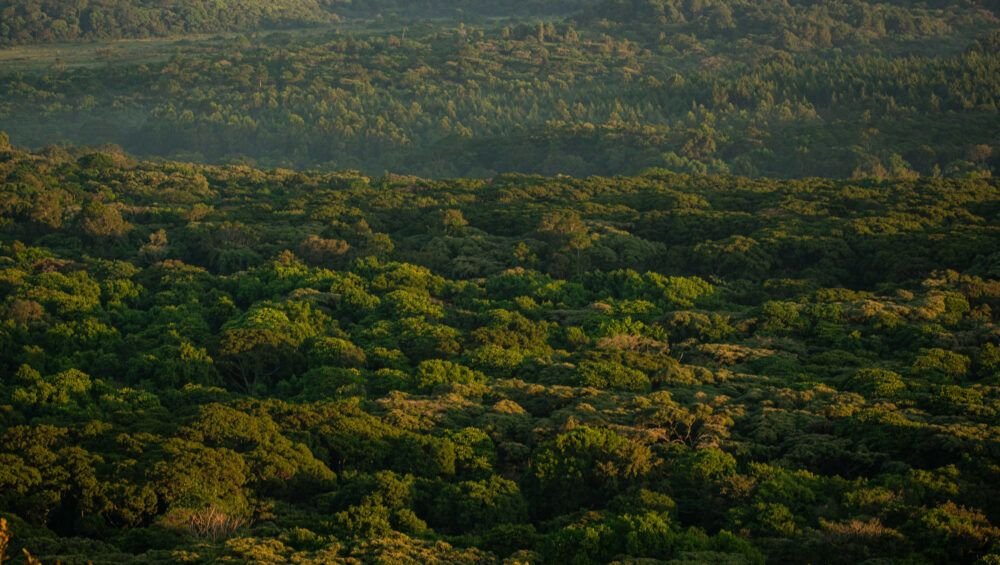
708 369
337 352
877 383
585 467
886 90
42 21
435 373
601 374
480 505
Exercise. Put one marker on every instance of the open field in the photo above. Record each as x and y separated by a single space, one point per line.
94 54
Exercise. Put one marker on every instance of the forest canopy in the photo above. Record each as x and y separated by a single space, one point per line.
30 21
210 363
500 282
835 89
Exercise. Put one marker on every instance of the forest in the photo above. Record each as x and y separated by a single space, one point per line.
31 21
513 282
832 89
207 363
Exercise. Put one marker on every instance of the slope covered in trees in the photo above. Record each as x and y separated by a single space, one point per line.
209 363
833 89
34 21
709 281
43 21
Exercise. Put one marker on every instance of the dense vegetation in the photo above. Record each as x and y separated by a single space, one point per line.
29 21
223 363
762 88
42 21
500 281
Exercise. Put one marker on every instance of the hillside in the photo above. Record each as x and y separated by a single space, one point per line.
35 21
500 282
45 21
223 363
842 89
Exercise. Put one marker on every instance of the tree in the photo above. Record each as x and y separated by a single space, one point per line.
100 220
937 363
5 537
321 252
453 221
584 468
435 372
480 504
252 357
157 246
202 487
48 209
609 374
877 383
337 352
567 236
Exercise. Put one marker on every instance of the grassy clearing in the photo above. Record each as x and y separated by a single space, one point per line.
91 54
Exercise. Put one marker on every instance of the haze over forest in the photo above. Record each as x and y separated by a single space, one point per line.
512 282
